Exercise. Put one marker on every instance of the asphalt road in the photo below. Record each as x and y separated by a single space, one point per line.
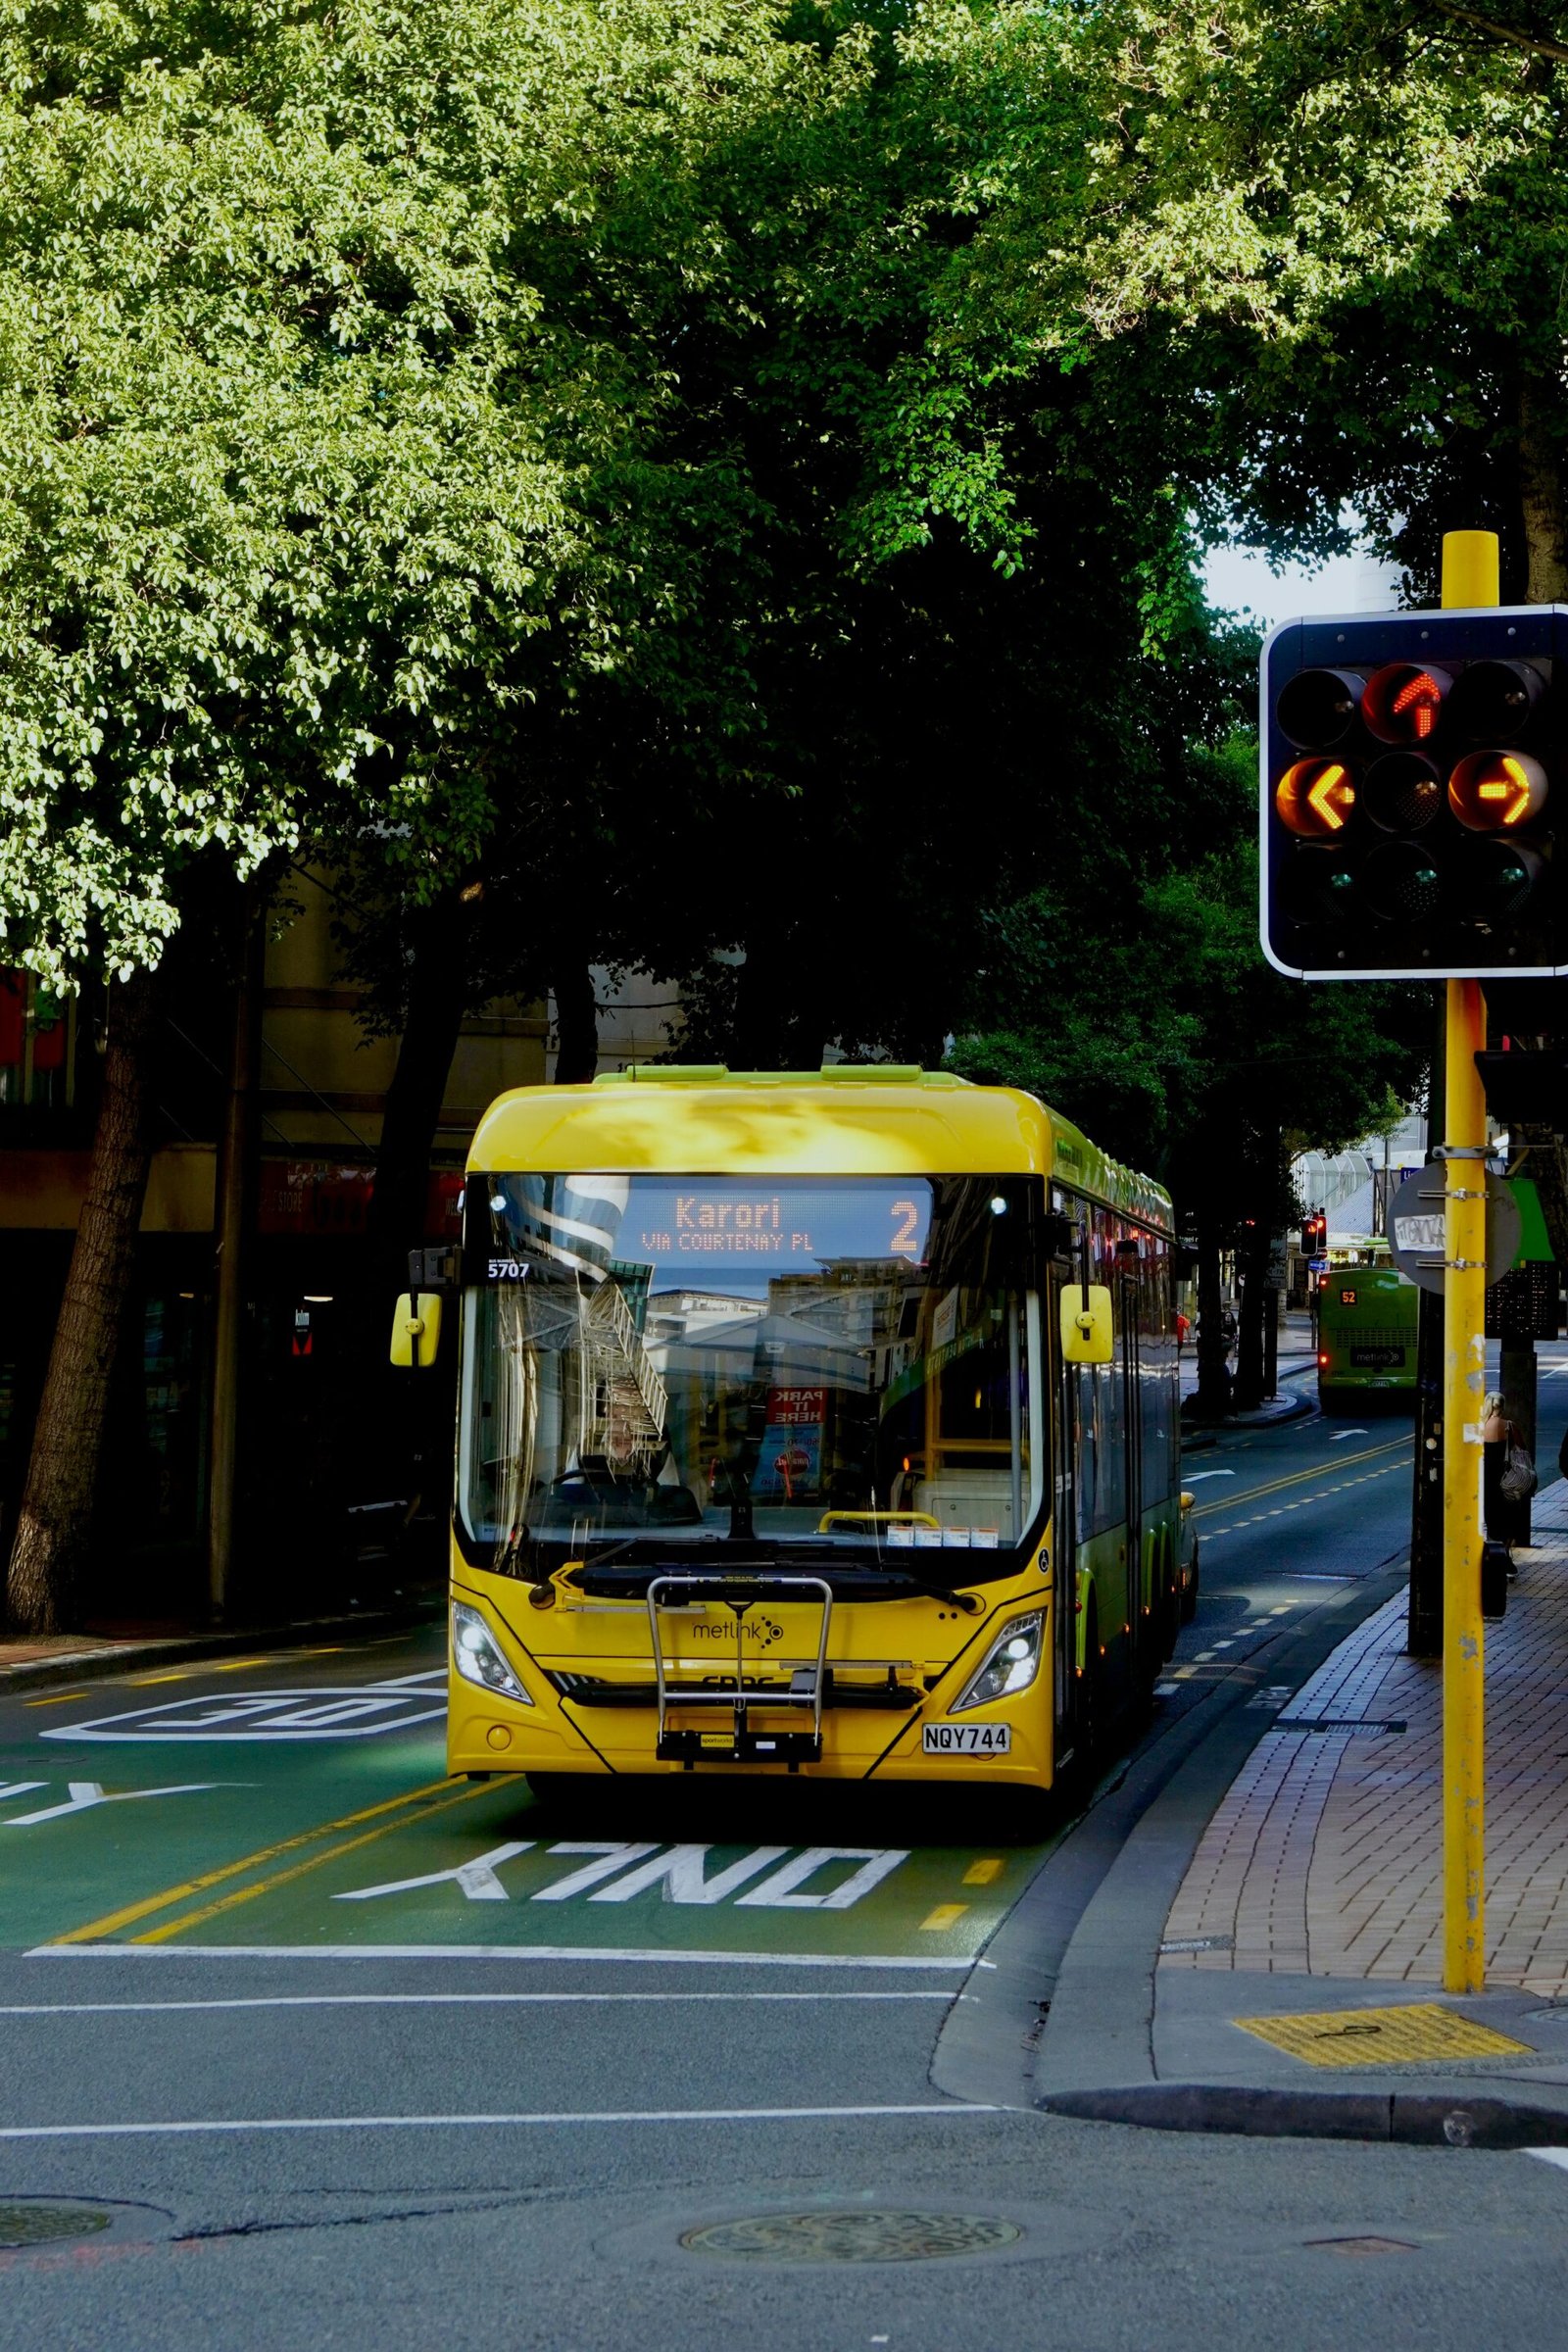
345 2054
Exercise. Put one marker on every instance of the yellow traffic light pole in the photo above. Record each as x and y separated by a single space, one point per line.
1469 579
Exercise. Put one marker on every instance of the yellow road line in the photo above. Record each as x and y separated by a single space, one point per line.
97 1929
981 1874
1302 1500
297 1870
944 1916
273 1657
59 1698
1229 1502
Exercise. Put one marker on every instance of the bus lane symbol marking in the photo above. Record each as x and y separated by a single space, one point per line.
86 1794
331 1714
477 1878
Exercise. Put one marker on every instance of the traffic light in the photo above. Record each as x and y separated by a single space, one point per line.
1314 1235
1414 766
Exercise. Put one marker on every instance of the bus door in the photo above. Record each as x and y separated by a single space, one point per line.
1065 1525
1143 1629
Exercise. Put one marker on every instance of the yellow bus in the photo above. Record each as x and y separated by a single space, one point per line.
770 1457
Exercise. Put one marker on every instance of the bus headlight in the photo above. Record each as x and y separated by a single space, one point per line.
1010 1664
477 1657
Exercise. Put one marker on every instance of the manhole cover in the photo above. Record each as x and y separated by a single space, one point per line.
854 2237
32 2224
1359 2245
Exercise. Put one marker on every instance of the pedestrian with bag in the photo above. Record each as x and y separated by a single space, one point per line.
1508 1478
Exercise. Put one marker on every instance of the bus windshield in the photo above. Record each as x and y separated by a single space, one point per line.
851 1361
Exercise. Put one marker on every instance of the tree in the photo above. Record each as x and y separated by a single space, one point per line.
298 473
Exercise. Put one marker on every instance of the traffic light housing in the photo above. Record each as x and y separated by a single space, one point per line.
1414 770
1314 1235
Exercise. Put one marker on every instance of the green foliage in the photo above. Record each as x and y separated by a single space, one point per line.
311 478
1325 241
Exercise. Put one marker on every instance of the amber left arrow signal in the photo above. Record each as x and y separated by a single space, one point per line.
1315 797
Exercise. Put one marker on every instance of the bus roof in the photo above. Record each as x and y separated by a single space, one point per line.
859 1119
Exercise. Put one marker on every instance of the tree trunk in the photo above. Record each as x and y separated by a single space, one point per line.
438 989
1540 492
576 1022
54 1526
1214 1380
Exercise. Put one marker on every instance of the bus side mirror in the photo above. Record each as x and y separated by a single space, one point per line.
1088 1334
416 1329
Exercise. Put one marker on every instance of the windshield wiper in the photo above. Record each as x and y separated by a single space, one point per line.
969 1602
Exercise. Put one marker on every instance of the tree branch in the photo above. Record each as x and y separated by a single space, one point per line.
1536 43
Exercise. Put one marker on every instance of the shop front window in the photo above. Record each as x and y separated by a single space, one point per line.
36 1034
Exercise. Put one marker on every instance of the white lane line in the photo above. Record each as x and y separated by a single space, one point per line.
453 2123
1340 1435
1557 2156
609 1955
431 2000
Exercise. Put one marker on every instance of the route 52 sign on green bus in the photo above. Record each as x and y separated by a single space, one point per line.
1414 787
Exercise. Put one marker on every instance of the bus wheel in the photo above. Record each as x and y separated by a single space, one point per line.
1335 1401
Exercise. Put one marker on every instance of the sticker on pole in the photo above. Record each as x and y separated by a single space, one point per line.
1415 1227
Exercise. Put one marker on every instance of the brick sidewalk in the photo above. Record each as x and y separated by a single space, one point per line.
1326 1855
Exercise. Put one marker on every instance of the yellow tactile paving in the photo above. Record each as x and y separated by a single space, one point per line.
1415 2036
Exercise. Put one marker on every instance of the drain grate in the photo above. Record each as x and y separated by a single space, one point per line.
1340 1723
852 2236
36 2223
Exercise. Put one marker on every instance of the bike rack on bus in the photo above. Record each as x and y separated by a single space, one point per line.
806 1688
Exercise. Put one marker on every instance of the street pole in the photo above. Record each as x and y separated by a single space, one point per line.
1424 1636
1469 579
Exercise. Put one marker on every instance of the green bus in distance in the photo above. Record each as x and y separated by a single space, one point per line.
1366 1327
